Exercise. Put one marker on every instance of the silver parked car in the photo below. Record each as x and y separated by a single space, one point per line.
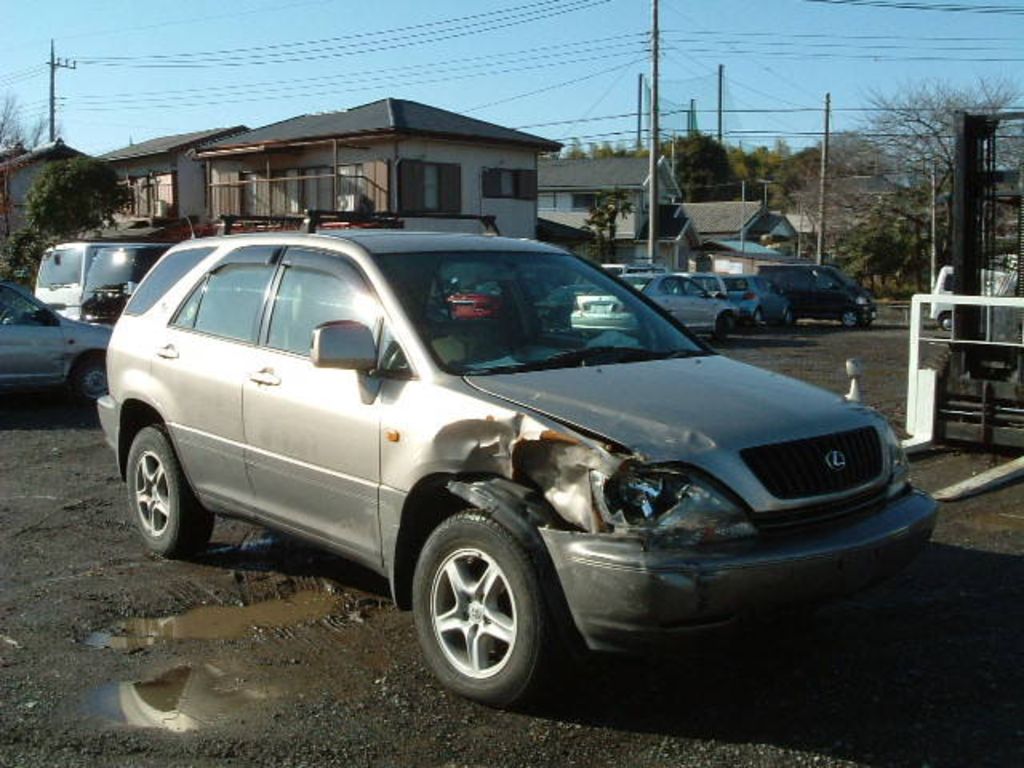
688 302
757 300
533 454
40 349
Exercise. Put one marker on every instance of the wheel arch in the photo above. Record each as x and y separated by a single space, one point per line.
136 415
521 510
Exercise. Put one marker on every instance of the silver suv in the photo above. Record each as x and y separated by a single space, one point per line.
529 476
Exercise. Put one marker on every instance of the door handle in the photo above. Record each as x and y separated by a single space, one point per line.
168 351
265 377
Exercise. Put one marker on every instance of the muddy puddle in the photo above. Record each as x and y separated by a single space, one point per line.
180 700
222 622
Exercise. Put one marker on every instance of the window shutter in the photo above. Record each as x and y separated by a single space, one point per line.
526 185
410 185
492 182
451 188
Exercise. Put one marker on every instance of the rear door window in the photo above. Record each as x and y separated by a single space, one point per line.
228 303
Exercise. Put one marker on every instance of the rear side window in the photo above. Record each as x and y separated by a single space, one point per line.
160 278
736 284
228 303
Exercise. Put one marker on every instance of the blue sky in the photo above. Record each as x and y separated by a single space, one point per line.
557 68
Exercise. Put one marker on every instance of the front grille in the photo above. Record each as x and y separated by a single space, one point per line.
802 468
788 519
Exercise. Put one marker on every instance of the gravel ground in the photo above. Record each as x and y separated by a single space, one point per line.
923 670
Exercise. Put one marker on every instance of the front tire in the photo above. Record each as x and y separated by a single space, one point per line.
723 326
946 321
88 378
480 613
849 318
161 504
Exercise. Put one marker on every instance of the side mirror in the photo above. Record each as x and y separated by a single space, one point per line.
44 317
344 344
720 295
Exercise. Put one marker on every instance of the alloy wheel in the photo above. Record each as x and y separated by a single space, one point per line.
473 612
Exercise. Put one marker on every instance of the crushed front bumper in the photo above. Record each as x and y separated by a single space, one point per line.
625 596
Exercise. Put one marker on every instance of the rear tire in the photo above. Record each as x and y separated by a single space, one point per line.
758 318
849 319
161 504
480 613
787 317
945 320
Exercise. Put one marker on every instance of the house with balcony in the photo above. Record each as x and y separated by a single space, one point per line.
392 156
568 189
164 176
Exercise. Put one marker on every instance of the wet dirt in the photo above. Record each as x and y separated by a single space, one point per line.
218 622
181 699
925 669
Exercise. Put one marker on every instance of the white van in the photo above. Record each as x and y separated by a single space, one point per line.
61 280
993 283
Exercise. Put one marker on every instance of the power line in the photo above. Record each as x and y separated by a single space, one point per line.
312 50
605 46
983 8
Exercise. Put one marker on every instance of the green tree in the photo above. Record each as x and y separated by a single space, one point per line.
71 196
603 220
703 171
20 255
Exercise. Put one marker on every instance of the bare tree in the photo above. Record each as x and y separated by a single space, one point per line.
11 132
916 124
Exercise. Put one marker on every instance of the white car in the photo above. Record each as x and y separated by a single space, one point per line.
688 302
40 349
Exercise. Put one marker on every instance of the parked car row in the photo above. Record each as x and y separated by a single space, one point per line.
781 294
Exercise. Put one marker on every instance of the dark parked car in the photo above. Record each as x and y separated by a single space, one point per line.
112 277
822 293
758 300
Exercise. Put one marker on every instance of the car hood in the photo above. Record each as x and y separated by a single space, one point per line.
672 409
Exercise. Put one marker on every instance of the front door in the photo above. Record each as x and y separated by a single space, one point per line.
31 343
312 434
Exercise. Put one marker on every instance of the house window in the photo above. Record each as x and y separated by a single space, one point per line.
510 182
547 201
353 189
429 187
584 202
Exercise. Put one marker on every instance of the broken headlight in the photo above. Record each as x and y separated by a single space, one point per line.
899 466
673 499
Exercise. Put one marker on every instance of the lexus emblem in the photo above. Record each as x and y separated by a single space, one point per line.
835 460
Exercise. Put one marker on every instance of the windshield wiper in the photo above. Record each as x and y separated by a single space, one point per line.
603 355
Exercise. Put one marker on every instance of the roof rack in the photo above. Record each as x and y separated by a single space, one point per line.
315 220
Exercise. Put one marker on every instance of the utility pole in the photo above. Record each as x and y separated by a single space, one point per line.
639 109
820 251
934 230
743 215
721 81
56 64
652 205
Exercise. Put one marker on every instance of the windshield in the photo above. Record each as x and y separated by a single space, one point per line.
496 312
60 267
842 277
116 266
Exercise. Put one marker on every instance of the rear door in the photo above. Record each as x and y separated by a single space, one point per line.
312 434
203 358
